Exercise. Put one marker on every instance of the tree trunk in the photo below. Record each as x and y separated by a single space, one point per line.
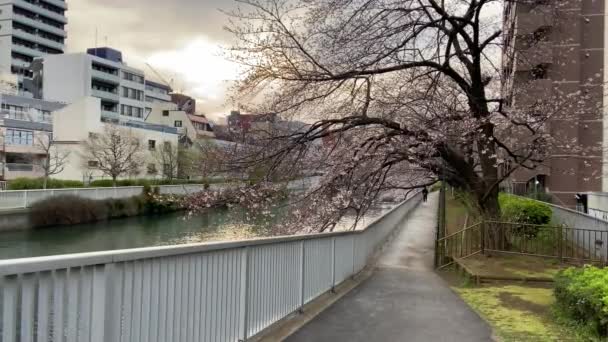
114 181
44 181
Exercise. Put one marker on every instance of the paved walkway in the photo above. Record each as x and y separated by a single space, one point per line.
404 300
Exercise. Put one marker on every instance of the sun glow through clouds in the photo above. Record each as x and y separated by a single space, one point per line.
198 68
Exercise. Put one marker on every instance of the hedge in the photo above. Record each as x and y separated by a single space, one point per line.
69 209
523 210
37 183
582 295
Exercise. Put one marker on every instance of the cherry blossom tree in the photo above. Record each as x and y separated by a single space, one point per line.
397 95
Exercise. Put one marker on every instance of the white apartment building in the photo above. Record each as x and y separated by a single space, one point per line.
99 73
157 92
73 124
25 129
29 29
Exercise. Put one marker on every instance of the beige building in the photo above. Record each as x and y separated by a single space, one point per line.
189 127
77 122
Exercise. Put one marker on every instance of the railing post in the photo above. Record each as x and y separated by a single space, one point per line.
353 256
244 294
333 264
302 267
483 237
24 198
560 243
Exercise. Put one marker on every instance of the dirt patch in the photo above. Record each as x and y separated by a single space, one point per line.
514 301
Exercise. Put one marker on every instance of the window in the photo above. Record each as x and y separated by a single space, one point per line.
152 145
132 111
167 146
93 163
540 72
93 135
132 93
152 169
19 137
165 113
178 123
132 77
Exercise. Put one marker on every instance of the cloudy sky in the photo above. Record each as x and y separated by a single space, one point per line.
182 39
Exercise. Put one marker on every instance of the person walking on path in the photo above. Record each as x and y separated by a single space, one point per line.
425 194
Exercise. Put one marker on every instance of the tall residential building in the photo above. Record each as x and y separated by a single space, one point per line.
29 29
98 73
552 49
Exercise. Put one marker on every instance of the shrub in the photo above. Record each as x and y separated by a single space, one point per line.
523 210
68 209
101 183
582 295
37 183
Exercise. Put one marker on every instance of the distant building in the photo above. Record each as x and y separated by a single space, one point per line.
29 29
184 102
246 123
25 127
71 128
157 92
190 127
100 73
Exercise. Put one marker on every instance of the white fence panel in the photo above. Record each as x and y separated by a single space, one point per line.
344 258
202 292
274 284
318 260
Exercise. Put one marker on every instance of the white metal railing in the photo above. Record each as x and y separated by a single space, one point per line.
19 199
225 291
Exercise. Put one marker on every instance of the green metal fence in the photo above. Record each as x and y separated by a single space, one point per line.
560 242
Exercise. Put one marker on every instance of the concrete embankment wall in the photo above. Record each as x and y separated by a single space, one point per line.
15 219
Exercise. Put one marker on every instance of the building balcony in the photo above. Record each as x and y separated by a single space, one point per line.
104 76
540 16
20 63
13 170
38 39
27 50
39 25
540 53
109 115
41 11
58 3
33 149
105 95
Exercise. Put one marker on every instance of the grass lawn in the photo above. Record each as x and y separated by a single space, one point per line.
518 312
512 266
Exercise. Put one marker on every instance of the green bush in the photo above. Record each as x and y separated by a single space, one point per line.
37 183
582 295
523 210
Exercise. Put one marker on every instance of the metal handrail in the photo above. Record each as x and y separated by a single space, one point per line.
37 264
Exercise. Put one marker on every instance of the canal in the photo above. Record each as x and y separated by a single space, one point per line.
144 231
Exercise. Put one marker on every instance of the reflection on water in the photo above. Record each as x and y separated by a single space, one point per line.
171 229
